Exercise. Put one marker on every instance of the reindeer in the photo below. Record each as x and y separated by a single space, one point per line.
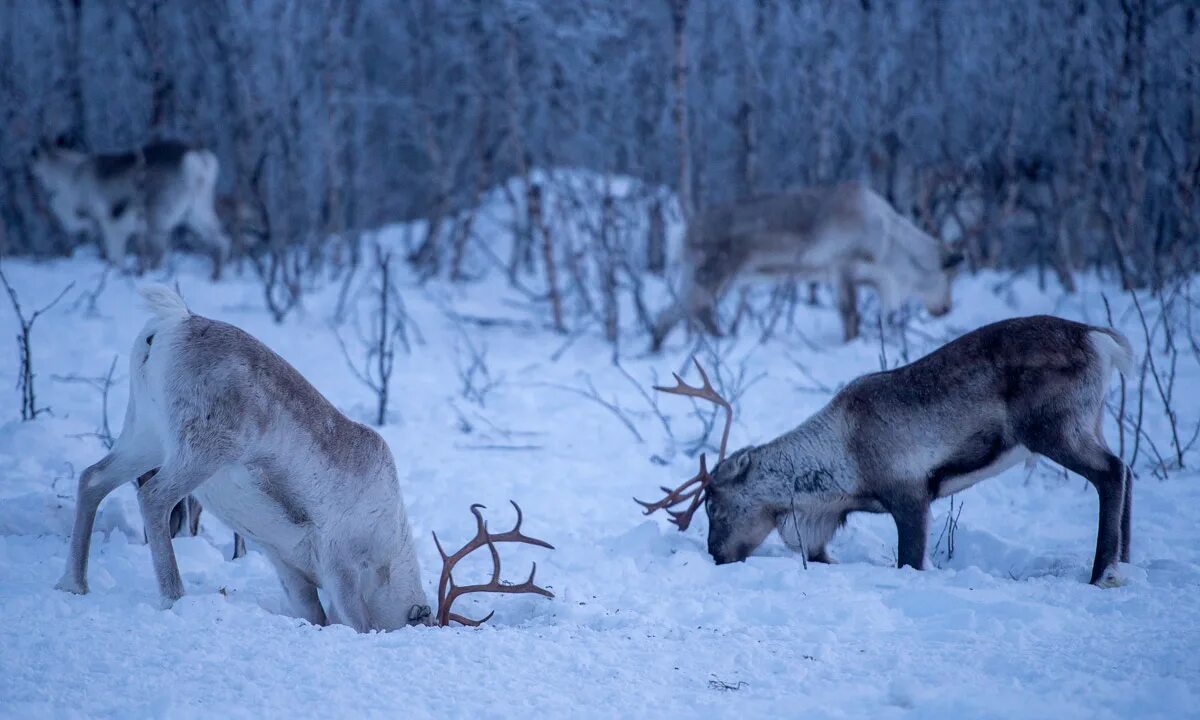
846 234
214 413
892 442
147 193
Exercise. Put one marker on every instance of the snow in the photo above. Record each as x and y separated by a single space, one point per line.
643 623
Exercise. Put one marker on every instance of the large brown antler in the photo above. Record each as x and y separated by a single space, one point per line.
694 488
448 592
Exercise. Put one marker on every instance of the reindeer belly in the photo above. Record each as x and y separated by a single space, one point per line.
239 497
800 256
960 474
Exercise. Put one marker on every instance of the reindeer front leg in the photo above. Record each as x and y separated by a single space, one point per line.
847 303
300 591
912 530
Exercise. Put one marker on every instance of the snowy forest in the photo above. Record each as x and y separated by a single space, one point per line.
1059 134
600 358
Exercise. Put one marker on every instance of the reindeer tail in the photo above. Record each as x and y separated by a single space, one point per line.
1113 347
164 303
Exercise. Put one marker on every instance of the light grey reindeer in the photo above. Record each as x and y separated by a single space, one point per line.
892 442
146 193
214 413
845 234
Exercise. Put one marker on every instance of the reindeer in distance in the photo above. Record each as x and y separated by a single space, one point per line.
846 234
142 195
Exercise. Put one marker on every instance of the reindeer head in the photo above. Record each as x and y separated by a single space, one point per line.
732 523
929 276
53 163
738 520
740 515
936 295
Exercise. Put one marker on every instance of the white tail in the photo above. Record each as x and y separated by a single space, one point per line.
164 302
1113 347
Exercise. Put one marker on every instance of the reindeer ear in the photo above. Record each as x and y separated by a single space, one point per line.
734 467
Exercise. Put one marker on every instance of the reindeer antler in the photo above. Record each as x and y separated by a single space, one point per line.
448 592
699 483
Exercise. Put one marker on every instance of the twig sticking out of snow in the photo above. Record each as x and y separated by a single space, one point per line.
26 375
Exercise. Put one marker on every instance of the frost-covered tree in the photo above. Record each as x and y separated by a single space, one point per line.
1059 135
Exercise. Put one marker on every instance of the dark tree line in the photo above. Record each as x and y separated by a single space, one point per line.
1057 134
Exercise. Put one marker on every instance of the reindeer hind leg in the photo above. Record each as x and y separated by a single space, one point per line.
175 480
1126 515
123 464
1083 454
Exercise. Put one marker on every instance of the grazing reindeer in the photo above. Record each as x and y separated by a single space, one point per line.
894 441
847 234
214 413
147 193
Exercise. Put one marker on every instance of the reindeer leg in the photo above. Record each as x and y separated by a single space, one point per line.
912 530
1126 516
208 228
1085 455
157 240
347 605
847 304
194 508
665 323
174 481
821 555
300 591
707 315
115 241
95 484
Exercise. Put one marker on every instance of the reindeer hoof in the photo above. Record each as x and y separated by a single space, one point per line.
1110 578
69 584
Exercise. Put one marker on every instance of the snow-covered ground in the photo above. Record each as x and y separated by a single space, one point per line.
643 623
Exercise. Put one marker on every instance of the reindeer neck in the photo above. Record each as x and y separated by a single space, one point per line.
809 459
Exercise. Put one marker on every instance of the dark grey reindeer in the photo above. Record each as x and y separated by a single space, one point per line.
892 442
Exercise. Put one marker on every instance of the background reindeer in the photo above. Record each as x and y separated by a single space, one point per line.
895 441
846 234
214 413
144 194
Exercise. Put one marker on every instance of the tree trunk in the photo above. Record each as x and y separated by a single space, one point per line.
679 109
656 238
533 199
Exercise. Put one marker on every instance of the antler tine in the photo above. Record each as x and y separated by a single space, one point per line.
515 535
466 620
673 497
682 518
704 393
448 592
